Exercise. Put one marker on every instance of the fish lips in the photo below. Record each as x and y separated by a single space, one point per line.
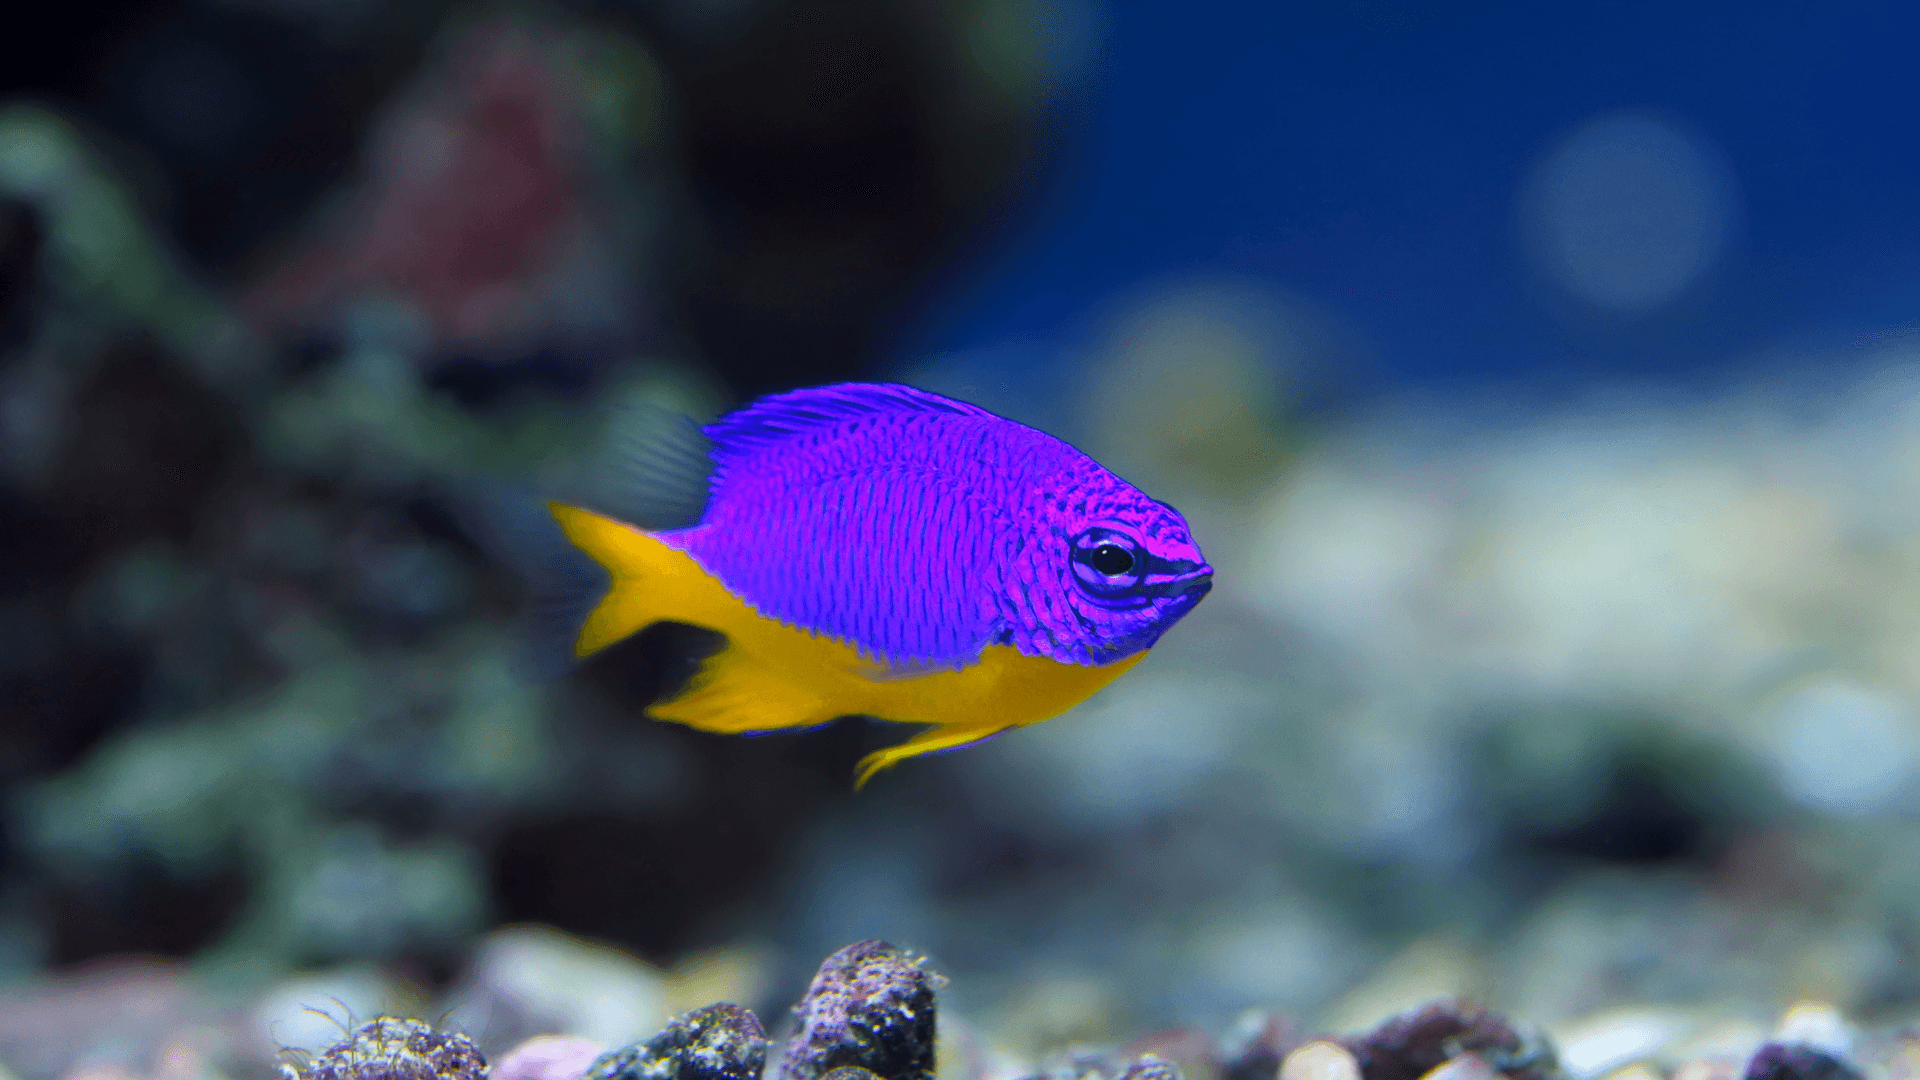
1169 579
1195 585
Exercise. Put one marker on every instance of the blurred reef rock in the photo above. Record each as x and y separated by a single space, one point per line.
717 1042
864 987
388 1048
272 277
870 1007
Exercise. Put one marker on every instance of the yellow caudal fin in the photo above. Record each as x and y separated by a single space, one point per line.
735 690
648 577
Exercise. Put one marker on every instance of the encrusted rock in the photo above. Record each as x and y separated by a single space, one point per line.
870 1006
718 1042
1408 1047
389 1048
1798 1061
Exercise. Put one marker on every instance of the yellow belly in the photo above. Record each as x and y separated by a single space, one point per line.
773 676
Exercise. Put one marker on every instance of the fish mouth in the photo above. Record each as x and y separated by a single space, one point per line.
1196 584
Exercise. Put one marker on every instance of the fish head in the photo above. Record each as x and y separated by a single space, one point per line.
1114 568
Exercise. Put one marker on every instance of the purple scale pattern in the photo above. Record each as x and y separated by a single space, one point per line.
921 530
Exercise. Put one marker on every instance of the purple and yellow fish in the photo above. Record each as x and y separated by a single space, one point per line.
872 549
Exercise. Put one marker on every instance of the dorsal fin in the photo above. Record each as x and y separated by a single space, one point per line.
653 471
782 416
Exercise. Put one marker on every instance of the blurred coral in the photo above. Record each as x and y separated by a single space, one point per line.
475 188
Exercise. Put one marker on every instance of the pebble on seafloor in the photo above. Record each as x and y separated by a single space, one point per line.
1320 1060
548 1057
870 1006
392 1049
1710 1068
718 1042
1464 1067
1411 1046
1600 1044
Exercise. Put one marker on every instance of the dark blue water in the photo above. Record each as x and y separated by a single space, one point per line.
1368 156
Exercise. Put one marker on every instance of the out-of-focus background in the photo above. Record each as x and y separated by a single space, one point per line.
1540 380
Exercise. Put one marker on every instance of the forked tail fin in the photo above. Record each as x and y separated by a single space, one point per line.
733 691
653 471
643 577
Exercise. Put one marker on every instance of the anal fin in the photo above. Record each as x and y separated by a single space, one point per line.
732 695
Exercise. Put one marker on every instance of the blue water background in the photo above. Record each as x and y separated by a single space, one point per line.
1368 158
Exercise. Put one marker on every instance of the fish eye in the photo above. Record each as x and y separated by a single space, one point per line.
1107 563
1111 560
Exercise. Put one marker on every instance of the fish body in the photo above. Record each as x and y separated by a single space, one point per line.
872 549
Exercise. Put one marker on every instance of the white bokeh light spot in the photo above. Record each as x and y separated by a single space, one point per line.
1845 748
1629 211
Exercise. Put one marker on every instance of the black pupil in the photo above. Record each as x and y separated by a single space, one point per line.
1111 560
